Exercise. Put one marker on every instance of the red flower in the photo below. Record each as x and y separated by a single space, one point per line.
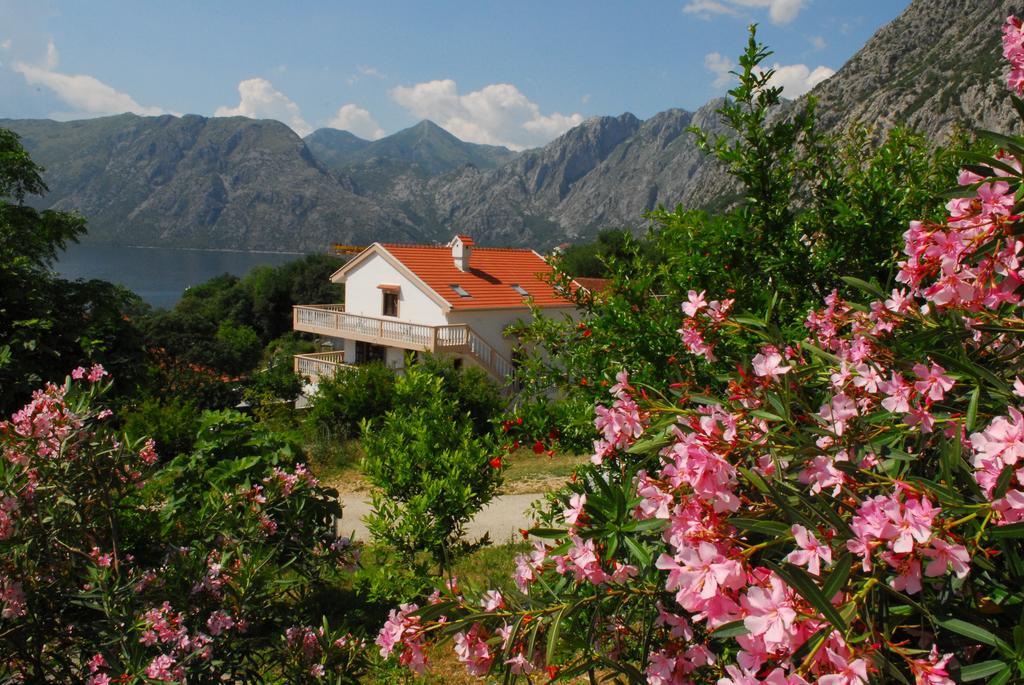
496 462
538 447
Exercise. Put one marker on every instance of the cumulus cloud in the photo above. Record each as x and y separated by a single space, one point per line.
780 11
355 119
720 66
818 42
258 99
797 79
86 94
497 114
794 79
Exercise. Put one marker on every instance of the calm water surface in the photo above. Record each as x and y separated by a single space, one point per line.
159 275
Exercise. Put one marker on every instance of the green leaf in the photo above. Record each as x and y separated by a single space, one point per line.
974 632
864 285
551 533
553 630
836 580
1014 530
770 528
981 670
639 553
1002 677
972 409
728 630
801 581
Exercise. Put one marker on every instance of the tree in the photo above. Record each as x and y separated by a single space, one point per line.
47 324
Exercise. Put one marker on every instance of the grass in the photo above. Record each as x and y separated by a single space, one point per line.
337 464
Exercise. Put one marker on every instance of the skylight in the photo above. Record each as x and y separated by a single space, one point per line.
520 289
459 290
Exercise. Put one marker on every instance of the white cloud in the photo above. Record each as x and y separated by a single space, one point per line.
794 79
797 79
720 66
86 94
260 100
369 71
497 114
818 42
6 45
355 119
780 11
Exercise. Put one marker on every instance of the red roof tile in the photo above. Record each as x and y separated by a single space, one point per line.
493 272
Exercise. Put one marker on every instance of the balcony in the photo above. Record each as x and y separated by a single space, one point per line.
332 320
313 366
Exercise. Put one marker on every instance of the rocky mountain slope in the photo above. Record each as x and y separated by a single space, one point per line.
195 182
255 185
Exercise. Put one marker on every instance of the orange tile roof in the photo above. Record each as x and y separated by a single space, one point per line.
493 272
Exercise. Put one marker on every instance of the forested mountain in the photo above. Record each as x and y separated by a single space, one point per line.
245 184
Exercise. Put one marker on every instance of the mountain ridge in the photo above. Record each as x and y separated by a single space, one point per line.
252 184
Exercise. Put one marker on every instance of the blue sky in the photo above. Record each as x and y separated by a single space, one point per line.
513 73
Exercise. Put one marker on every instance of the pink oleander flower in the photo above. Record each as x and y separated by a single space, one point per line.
574 511
768 363
933 383
944 555
492 600
810 553
695 302
148 453
769 611
932 671
161 668
853 672
472 650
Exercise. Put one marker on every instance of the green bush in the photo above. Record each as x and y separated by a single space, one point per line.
171 422
432 472
470 388
364 392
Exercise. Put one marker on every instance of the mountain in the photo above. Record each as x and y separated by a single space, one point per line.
333 147
196 182
936 65
247 184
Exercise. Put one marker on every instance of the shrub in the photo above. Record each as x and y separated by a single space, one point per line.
470 388
851 510
113 569
342 402
171 422
433 474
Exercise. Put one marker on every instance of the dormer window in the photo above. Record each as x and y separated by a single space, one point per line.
520 289
459 290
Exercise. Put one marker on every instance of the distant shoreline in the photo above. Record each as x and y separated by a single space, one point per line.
196 249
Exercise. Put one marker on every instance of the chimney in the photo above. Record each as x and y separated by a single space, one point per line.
462 248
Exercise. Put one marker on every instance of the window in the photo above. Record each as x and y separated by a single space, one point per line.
459 290
390 307
520 289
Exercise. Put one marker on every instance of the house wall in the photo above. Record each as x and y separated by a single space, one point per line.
363 297
490 323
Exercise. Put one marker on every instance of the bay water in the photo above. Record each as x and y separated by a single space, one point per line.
159 275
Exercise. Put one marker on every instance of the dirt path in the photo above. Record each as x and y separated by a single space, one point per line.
501 519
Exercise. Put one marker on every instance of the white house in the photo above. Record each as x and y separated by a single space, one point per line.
453 300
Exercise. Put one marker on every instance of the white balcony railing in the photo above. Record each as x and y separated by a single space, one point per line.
332 320
320 364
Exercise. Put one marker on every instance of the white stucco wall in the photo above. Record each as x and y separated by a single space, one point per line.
363 297
490 323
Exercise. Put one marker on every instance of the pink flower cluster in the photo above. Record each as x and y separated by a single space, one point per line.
619 425
289 481
702 319
998 447
402 633
165 628
1013 51
945 263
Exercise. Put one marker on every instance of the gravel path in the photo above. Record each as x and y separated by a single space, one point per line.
501 519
